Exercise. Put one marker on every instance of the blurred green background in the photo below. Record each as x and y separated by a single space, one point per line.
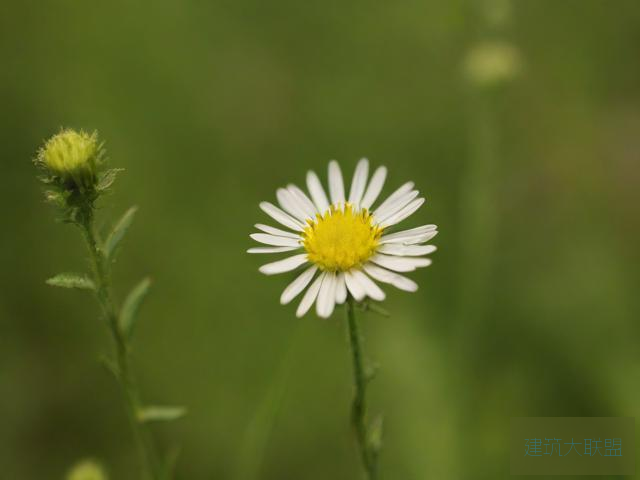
530 308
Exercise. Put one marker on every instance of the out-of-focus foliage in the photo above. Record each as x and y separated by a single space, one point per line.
87 470
529 309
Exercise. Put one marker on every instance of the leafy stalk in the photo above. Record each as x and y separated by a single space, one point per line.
72 165
102 279
367 437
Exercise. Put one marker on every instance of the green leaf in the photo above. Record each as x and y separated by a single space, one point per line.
72 280
131 305
118 232
156 413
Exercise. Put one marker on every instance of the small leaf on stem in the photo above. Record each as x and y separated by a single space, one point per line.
131 306
118 232
72 280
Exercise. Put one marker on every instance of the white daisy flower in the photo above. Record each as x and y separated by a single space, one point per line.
344 243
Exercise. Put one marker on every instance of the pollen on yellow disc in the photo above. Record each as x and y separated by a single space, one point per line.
341 238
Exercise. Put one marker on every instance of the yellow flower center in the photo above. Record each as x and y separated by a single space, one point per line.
341 238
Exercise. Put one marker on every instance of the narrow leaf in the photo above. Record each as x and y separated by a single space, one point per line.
72 280
132 304
118 232
155 413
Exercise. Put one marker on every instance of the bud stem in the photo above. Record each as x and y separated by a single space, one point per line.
102 277
368 454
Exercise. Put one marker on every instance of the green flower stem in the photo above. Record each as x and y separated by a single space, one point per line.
368 453
146 449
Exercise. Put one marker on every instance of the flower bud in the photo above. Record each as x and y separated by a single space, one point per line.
87 470
73 158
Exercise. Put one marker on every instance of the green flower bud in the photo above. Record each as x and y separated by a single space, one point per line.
74 173
492 63
73 158
87 470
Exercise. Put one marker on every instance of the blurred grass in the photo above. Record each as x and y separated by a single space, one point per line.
210 106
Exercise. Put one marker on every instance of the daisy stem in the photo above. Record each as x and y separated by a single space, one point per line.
102 277
368 454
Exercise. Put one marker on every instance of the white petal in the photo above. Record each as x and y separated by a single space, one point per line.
407 187
372 290
281 217
285 265
299 284
310 296
276 231
317 192
327 296
404 213
394 207
357 291
275 240
374 188
341 289
413 231
336 185
398 281
271 249
400 264
305 203
408 237
359 182
425 237
290 204
407 250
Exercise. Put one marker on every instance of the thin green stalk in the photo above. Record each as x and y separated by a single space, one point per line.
368 453
148 457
